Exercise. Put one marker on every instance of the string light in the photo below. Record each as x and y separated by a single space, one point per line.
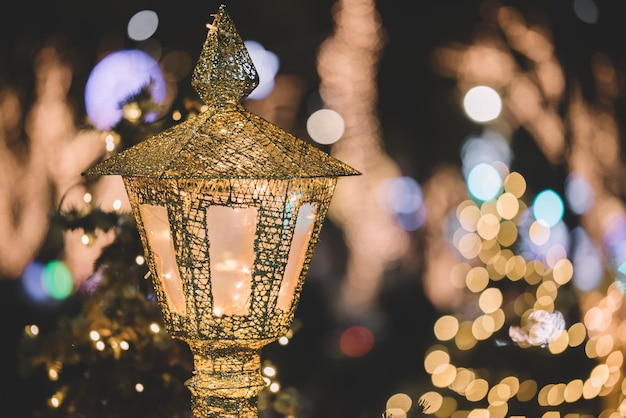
32 330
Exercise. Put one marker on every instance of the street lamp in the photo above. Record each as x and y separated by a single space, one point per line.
229 208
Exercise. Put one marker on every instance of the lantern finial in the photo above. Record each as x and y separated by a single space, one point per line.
224 72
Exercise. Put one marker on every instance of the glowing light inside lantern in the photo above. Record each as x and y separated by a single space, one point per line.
159 239
231 232
297 253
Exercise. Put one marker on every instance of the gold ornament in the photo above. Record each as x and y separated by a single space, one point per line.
229 208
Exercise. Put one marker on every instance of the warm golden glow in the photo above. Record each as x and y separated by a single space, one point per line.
483 327
599 375
477 279
462 380
490 300
231 232
515 267
479 413
446 327
591 388
435 359
573 390
563 271
507 205
527 390
508 233
470 245
431 402
515 184
468 217
347 65
162 248
403 402
443 375
488 226
533 95
297 253
499 394
465 339
560 343
48 174
476 390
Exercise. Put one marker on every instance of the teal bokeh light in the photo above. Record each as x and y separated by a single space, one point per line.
620 277
484 182
548 206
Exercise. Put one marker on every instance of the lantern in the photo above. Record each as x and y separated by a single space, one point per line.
229 208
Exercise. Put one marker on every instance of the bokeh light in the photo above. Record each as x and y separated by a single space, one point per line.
400 401
115 79
57 280
537 240
490 147
539 232
142 25
446 327
266 64
482 103
431 402
476 390
325 126
515 184
483 232
548 207
579 194
402 196
587 11
356 341
32 282
507 205
614 240
587 260
484 182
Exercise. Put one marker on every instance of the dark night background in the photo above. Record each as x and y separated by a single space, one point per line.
421 128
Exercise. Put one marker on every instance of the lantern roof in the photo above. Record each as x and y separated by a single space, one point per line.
226 140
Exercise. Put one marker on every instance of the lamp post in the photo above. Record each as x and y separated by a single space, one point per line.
229 208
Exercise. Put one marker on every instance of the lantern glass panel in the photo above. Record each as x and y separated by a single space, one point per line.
297 253
157 226
231 233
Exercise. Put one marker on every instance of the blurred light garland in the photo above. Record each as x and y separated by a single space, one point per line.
517 261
